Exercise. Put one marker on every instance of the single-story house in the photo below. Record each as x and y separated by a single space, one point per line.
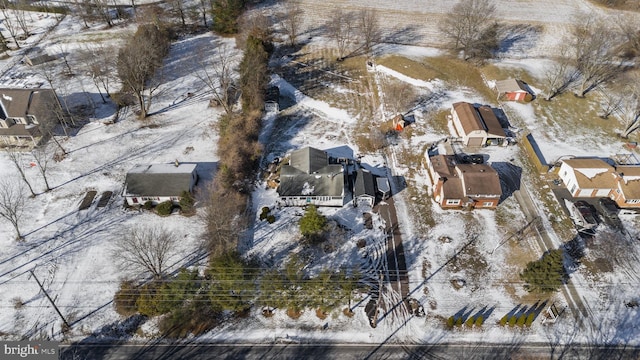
159 182
595 177
513 90
364 188
309 178
457 185
477 126
22 111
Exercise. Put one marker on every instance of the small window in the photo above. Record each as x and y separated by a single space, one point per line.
135 200
487 204
453 202
573 189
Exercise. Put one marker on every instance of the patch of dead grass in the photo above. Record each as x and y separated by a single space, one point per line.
408 67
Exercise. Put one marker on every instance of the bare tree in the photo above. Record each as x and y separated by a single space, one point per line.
10 24
223 216
610 102
595 46
178 9
42 156
99 63
18 161
218 77
341 31
467 23
21 17
629 112
84 11
398 96
12 203
103 10
138 62
145 248
628 26
369 29
60 108
560 76
292 20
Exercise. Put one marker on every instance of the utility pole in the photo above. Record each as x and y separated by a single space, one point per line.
50 300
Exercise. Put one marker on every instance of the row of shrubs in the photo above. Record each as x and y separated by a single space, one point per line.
232 285
470 322
510 320
186 205
522 320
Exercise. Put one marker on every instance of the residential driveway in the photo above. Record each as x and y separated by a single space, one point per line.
396 273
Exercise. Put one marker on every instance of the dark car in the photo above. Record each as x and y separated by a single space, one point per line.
473 159
587 213
608 208
609 211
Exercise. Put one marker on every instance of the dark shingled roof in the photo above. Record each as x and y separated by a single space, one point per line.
309 173
22 102
364 184
159 180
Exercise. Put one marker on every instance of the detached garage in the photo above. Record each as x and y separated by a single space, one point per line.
477 126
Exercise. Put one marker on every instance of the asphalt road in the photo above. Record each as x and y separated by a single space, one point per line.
200 351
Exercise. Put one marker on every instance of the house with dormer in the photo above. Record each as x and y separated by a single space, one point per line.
596 177
22 111
312 177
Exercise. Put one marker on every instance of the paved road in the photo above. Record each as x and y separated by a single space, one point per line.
199 351
545 242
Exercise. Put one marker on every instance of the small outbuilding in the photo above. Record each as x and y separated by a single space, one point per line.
364 188
159 182
272 99
513 90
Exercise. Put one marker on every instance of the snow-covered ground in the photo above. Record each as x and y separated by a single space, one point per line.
70 250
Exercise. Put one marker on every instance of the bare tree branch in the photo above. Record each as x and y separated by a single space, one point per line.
467 24
145 249
12 203
17 159
218 77
341 31
292 20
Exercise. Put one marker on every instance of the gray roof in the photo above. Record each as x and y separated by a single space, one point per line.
328 181
510 85
364 184
22 102
309 159
309 173
159 179
21 130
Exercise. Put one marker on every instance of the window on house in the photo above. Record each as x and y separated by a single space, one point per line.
135 200
453 202
487 204
573 189
633 201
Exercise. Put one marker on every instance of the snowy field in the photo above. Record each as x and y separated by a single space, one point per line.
460 266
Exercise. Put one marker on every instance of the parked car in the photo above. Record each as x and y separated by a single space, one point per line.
582 214
608 208
609 211
473 159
